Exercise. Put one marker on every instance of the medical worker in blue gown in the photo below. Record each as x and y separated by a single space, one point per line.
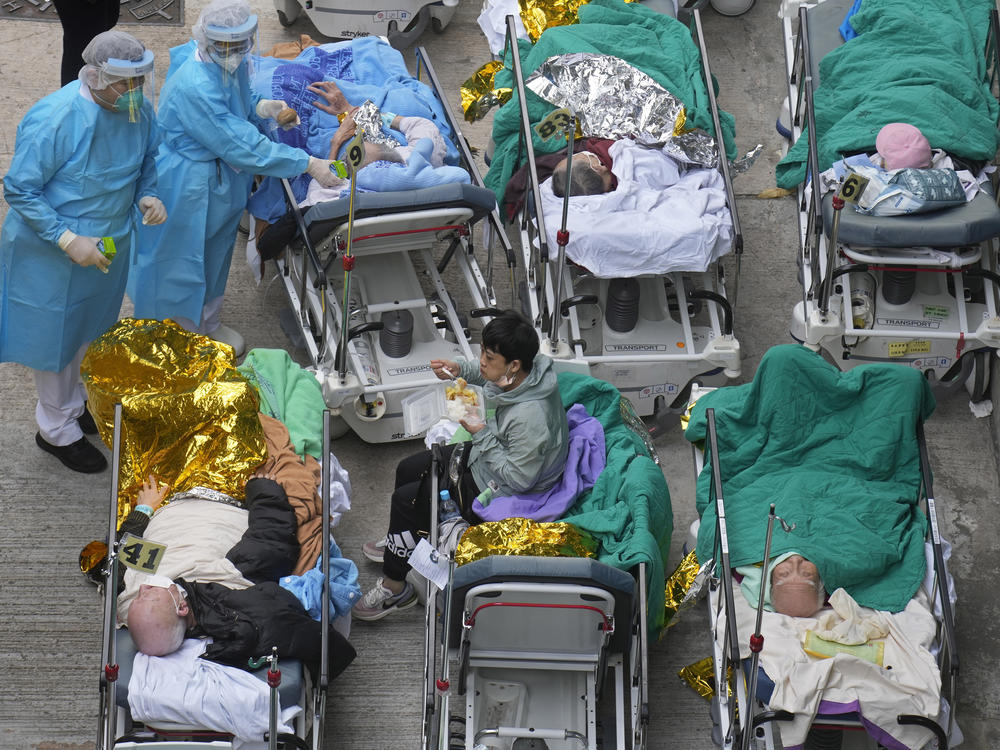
212 147
83 169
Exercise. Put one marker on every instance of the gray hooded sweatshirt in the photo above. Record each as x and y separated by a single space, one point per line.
522 449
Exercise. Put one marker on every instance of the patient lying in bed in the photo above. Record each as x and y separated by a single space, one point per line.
242 608
655 216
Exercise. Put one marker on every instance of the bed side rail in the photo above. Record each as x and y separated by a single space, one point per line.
699 39
949 659
992 53
496 223
739 720
800 98
108 713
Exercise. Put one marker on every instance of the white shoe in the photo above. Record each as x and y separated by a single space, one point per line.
227 335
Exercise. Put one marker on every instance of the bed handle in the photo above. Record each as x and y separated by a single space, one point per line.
929 724
727 309
580 299
483 312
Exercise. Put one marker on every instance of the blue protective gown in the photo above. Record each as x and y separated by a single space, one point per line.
210 150
80 167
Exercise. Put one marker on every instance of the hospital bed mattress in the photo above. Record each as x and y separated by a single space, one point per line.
290 690
324 217
968 224
575 570
823 31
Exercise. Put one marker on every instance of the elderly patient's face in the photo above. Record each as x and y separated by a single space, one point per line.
796 588
586 160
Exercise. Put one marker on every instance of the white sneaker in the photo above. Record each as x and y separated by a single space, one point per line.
227 335
380 601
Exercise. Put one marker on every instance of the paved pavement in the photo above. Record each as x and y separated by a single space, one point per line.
49 632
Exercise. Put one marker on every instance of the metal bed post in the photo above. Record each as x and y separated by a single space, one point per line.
816 214
313 256
722 544
319 696
536 195
495 220
108 722
723 159
947 613
429 733
562 239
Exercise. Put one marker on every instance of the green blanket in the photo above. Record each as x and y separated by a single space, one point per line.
290 394
658 45
628 509
917 62
836 452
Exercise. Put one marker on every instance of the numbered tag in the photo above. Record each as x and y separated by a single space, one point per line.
854 185
557 121
356 151
140 554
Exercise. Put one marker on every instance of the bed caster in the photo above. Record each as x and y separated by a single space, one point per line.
732 7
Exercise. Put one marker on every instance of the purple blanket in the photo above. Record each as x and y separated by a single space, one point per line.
584 463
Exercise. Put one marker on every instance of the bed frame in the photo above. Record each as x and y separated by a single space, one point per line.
852 266
684 327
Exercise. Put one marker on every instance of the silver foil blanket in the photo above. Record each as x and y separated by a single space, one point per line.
614 100
368 117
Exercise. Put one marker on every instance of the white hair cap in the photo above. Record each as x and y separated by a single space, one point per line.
232 18
114 56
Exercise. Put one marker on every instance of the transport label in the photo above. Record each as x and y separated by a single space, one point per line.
925 363
140 554
635 347
935 311
902 348
909 323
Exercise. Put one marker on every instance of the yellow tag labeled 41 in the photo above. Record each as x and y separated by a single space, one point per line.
140 554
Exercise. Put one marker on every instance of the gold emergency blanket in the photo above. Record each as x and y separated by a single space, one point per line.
522 536
188 416
701 677
538 15
678 585
479 94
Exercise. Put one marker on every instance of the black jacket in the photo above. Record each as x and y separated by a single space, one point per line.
246 623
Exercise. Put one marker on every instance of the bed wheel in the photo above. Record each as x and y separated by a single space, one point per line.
436 26
284 20
979 381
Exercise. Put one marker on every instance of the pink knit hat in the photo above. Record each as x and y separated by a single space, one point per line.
902 145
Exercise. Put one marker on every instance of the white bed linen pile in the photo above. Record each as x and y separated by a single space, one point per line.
183 689
661 218
911 686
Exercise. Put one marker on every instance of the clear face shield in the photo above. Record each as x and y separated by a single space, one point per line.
229 46
128 83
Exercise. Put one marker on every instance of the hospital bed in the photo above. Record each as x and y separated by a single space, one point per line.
650 333
920 290
853 704
292 690
532 651
340 19
381 283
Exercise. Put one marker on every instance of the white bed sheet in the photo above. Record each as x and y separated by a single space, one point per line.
912 686
181 688
661 218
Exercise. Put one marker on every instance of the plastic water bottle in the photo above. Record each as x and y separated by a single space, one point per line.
447 508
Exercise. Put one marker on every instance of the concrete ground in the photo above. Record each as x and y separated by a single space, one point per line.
49 631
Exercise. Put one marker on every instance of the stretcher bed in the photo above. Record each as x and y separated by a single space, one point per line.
381 282
919 289
845 466
180 701
534 651
635 292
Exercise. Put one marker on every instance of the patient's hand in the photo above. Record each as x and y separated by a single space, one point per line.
152 493
344 133
335 101
261 474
